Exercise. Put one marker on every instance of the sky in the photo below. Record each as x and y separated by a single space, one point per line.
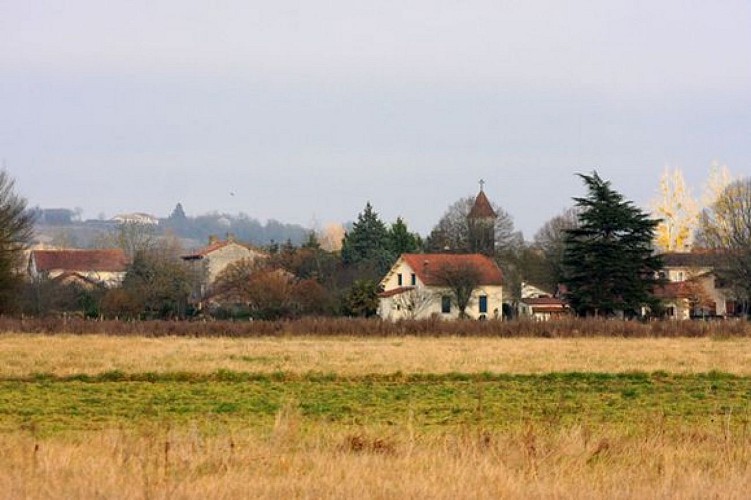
303 111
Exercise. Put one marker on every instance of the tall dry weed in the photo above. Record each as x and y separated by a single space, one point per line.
565 328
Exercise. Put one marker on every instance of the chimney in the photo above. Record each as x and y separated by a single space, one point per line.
213 239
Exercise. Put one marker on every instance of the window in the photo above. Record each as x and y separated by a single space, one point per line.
730 307
414 279
483 304
445 304
399 279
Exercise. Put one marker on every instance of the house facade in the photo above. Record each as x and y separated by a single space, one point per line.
209 262
420 286
543 308
692 288
540 305
105 267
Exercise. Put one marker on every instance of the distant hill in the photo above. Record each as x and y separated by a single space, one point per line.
61 227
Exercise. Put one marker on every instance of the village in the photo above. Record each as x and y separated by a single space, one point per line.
372 271
436 250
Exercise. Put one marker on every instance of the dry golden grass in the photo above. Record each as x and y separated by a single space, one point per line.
22 355
289 462
298 457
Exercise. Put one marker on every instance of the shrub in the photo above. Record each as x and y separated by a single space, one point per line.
326 326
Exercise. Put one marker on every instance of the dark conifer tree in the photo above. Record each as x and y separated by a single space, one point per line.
608 259
368 242
401 240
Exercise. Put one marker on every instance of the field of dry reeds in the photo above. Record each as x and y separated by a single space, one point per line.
257 411
353 327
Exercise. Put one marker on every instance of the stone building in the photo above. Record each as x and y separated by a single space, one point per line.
209 262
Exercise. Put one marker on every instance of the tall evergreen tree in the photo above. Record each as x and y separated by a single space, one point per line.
178 213
368 242
608 259
401 240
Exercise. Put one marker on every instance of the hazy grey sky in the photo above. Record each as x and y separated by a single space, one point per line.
308 109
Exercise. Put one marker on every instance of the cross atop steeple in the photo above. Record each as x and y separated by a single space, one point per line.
482 184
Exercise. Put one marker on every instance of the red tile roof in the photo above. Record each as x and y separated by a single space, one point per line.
395 291
700 258
549 309
107 260
544 301
482 207
428 267
203 252
673 290
213 247
546 305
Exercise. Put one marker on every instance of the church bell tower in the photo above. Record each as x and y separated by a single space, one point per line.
481 221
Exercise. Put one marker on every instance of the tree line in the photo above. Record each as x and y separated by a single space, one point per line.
604 251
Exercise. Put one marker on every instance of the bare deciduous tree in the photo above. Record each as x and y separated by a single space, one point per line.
414 302
726 227
461 280
16 225
452 231
550 240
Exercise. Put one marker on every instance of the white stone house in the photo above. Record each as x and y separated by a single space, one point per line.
416 287
106 267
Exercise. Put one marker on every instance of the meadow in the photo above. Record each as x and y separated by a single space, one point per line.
338 417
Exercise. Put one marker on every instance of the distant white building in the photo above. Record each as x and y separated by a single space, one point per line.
136 218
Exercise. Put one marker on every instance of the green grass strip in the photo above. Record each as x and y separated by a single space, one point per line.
48 404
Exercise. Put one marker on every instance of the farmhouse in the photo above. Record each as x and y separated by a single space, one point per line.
105 267
540 305
543 308
211 260
423 285
692 288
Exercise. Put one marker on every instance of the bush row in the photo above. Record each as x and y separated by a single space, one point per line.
566 328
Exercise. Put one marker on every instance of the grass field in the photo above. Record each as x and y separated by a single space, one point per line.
118 417
23 355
